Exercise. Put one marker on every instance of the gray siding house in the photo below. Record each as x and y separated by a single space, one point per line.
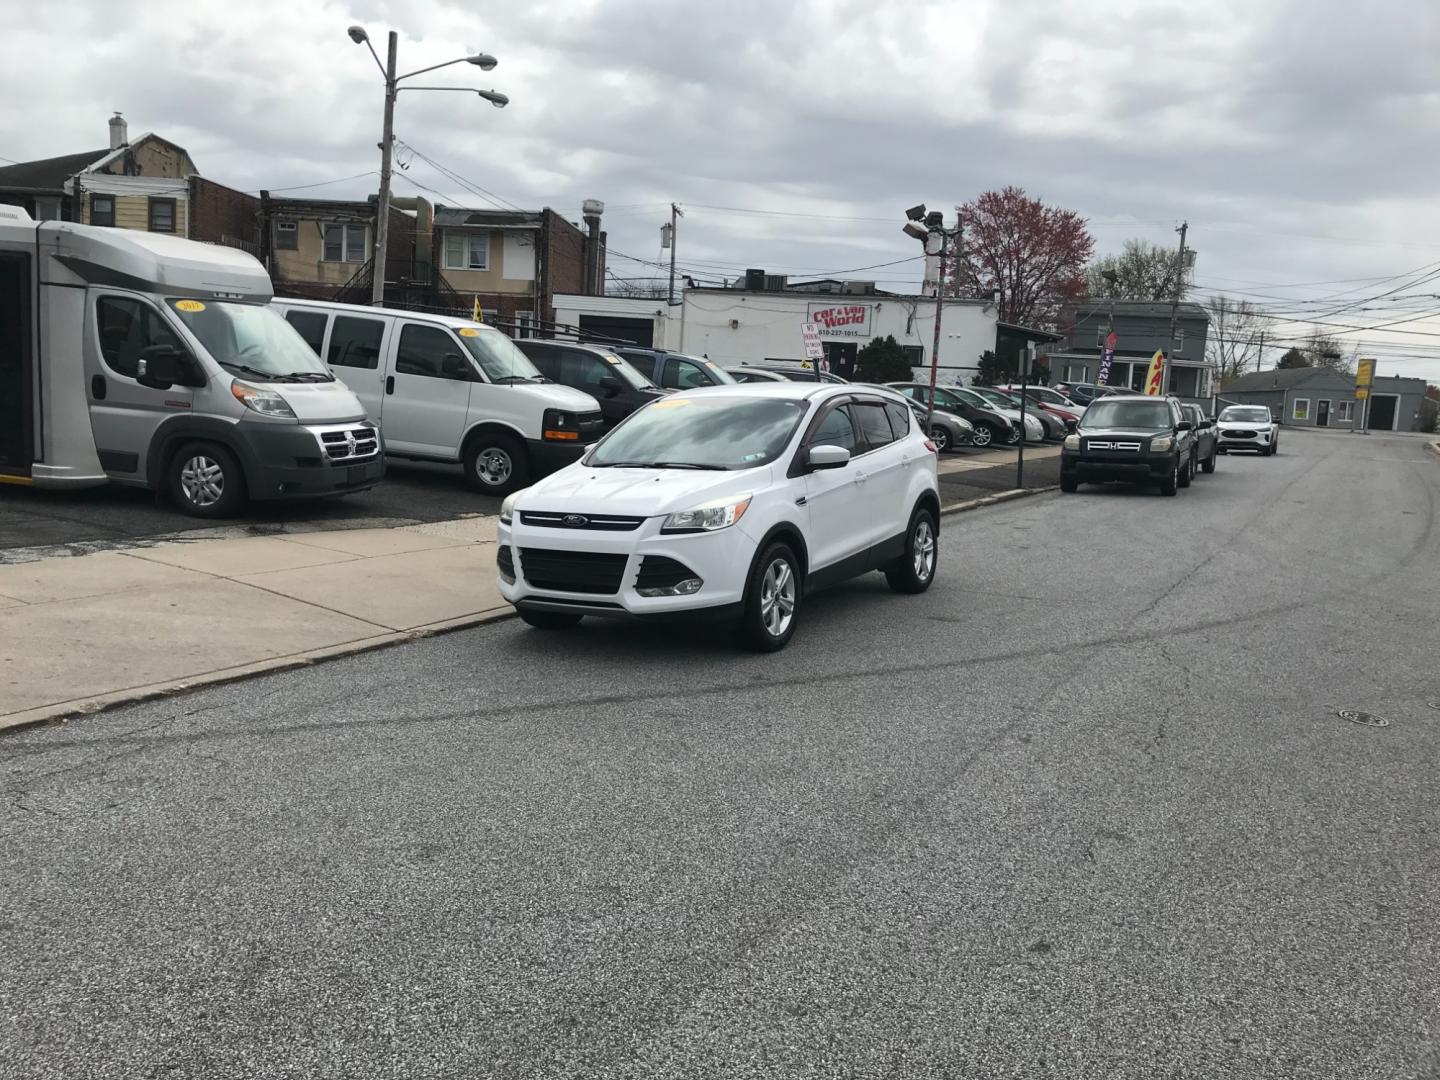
1141 327
1323 397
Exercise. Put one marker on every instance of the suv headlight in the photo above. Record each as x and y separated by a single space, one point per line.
1072 442
1162 442
265 402
507 508
708 517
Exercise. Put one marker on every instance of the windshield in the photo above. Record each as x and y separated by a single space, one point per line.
628 373
1113 413
1246 414
710 431
497 355
251 339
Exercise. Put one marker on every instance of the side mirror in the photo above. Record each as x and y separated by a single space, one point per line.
1184 425
455 366
610 384
160 367
1205 425
826 457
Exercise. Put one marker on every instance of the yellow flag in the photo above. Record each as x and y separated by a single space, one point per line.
1156 377
476 314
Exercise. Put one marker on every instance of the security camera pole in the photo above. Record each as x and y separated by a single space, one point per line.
483 61
930 229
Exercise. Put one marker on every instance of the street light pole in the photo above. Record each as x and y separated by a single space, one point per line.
1174 309
382 212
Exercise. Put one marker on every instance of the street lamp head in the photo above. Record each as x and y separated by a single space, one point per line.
495 98
915 213
484 61
915 229
358 35
935 219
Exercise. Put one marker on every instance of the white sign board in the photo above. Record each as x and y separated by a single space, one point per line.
810 333
841 320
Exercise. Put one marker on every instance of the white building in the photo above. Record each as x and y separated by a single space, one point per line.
738 326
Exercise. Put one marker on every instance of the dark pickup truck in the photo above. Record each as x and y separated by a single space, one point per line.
1136 439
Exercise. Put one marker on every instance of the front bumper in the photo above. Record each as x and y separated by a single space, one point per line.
289 461
720 559
1258 440
1100 466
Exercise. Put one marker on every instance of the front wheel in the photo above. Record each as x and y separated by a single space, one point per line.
496 465
984 435
1171 484
1208 465
1013 438
772 599
941 438
915 570
549 620
1068 484
1187 473
205 479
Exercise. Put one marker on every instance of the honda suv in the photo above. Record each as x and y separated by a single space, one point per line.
1139 439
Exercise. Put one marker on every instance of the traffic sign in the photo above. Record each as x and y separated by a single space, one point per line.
1362 393
1364 374
810 334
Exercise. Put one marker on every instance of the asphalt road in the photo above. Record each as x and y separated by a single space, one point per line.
1085 809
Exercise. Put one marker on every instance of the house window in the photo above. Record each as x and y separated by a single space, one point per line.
1302 409
162 215
1345 412
914 355
1076 373
102 210
287 236
467 251
345 243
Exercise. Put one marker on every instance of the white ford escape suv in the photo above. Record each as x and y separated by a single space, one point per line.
729 503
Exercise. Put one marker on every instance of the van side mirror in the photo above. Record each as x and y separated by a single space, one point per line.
610 384
454 366
161 367
826 457
1184 425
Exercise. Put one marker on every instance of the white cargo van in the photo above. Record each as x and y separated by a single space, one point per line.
447 389
156 361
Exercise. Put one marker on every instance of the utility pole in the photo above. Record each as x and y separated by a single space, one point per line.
382 207
1175 307
675 214
1260 356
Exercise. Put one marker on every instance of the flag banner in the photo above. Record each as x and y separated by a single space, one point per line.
1156 377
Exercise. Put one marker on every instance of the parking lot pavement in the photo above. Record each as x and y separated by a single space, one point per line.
1101 825
116 517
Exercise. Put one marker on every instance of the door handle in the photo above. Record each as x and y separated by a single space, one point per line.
389 384
97 387
859 477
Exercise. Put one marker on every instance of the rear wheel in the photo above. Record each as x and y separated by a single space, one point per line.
496 464
550 620
1012 437
941 438
913 571
772 599
205 479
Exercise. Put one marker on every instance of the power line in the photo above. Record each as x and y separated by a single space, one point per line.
323 183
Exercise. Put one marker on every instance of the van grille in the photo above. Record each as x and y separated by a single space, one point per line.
573 571
349 443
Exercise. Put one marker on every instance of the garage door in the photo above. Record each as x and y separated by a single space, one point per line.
635 331
1382 412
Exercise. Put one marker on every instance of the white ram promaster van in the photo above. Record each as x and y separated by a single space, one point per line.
156 361
447 389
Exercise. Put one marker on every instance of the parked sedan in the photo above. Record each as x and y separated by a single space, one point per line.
790 372
754 375
1207 440
1051 401
1055 428
1035 430
1248 427
1085 393
991 425
947 430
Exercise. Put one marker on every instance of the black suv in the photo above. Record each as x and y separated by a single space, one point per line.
676 371
597 370
1134 438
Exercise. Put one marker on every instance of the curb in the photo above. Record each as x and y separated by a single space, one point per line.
991 500
64 711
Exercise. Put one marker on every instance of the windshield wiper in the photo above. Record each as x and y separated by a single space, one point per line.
269 376
316 376
520 378
659 465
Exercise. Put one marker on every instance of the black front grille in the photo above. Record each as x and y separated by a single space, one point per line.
1237 433
505 561
572 571
595 522
659 572
591 425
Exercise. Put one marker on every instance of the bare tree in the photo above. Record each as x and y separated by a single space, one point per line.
1143 271
1232 342
1322 350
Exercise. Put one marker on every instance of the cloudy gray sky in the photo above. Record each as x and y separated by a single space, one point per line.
1298 137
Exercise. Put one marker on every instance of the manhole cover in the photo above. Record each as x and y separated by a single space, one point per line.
1355 716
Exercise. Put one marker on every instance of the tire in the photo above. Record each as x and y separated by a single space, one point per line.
941 438
1013 438
205 480
1068 484
1208 465
1187 473
496 465
915 570
765 625
983 437
1171 484
550 620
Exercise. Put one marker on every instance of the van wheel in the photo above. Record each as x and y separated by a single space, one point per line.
496 465
772 600
205 479
915 570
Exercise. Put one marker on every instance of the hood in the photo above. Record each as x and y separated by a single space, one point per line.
555 396
1246 425
311 402
1127 432
580 489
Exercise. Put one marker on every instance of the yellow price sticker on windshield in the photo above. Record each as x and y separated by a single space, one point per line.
670 403
613 360
189 305
469 331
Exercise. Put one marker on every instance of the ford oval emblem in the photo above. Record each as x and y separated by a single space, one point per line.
575 521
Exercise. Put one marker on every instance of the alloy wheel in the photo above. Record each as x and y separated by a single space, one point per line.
202 480
924 550
941 438
777 597
982 436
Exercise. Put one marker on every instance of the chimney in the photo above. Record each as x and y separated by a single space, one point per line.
119 132
592 209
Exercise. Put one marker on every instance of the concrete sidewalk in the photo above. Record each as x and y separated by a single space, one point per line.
81 632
